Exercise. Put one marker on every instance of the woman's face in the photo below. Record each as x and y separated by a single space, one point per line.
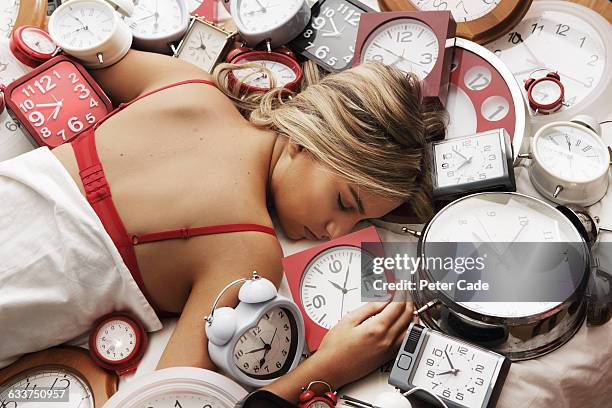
313 203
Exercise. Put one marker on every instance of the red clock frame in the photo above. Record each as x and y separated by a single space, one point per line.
86 102
435 85
130 362
295 265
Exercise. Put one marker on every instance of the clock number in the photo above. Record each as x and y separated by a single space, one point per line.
26 105
460 396
589 84
28 91
353 18
548 235
479 381
582 40
427 58
404 36
515 38
177 404
75 125
73 77
335 266
446 393
332 61
317 23
48 84
429 362
308 33
91 119
278 364
562 29
45 132
445 166
57 74
12 126
431 374
319 301
322 52
37 118
594 59
463 350
93 103
328 12
480 368
83 90
472 390
349 58
440 4
438 352
537 27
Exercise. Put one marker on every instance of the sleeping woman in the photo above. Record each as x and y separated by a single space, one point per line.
168 200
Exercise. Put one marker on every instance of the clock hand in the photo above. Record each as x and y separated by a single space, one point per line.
335 285
397 55
449 360
268 347
457 151
454 371
261 7
569 144
465 162
255 351
147 17
333 24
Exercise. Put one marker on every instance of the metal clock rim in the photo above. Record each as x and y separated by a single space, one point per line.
490 319
185 20
200 20
535 155
270 56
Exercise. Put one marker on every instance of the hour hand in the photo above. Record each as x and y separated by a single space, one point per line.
256 350
335 285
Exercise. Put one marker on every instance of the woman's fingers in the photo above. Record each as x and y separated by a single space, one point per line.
403 321
389 314
358 316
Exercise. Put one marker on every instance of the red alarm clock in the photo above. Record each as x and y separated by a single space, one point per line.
118 342
281 62
32 46
545 94
309 399
57 101
328 281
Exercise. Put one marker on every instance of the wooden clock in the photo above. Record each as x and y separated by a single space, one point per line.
417 42
23 12
68 372
480 21
327 281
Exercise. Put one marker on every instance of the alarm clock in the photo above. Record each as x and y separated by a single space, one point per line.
469 164
14 140
205 44
185 387
32 46
417 42
570 39
118 342
56 101
462 374
15 13
206 9
92 31
277 23
65 376
282 70
259 340
309 399
329 38
478 21
157 24
513 328
327 282
570 162
546 94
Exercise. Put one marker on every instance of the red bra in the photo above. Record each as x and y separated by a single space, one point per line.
98 194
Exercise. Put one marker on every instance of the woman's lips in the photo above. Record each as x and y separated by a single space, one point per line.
310 235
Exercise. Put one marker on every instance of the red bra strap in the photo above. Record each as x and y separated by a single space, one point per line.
125 105
194 232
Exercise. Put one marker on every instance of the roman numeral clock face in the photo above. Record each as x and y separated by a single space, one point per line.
407 44
184 400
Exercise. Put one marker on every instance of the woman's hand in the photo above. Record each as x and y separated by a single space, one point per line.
362 341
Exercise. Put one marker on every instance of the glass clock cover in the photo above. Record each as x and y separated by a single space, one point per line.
83 26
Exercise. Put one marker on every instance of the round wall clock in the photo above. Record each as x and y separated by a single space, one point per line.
74 379
184 387
571 40
326 281
480 21
15 13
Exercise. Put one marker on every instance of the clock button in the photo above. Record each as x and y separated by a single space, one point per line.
404 362
413 339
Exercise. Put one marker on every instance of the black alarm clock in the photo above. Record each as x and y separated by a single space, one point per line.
329 37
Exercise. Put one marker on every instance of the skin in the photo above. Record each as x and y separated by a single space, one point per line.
185 157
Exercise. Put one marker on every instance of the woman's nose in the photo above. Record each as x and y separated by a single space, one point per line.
338 228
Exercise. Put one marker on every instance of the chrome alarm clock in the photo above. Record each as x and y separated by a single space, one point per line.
259 340
545 308
158 24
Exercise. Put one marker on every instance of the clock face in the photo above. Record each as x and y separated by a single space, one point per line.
267 350
203 46
281 73
8 15
330 36
156 19
184 400
407 44
83 25
462 10
319 404
571 154
546 92
501 218
332 284
265 15
477 158
536 43
38 41
57 378
58 103
116 340
455 371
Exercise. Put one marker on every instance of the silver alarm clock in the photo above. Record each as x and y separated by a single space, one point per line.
519 328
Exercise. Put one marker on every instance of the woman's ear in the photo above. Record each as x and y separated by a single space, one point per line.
294 149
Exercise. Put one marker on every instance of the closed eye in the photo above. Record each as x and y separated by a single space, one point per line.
341 205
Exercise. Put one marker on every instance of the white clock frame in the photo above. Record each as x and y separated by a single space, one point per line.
162 43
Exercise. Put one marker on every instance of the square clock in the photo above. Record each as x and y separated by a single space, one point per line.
469 164
329 37
462 374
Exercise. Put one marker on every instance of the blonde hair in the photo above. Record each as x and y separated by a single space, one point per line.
368 124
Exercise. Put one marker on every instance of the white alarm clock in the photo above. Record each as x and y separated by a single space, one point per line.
570 162
276 22
185 387
157 24
92 31
567 38
261 339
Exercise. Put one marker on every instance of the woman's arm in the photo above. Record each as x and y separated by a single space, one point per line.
139 72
